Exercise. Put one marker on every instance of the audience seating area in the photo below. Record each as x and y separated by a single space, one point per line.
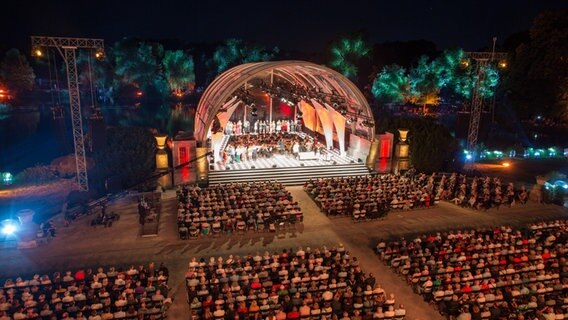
370 197
259 206
481 193
319 283
490 273
88 294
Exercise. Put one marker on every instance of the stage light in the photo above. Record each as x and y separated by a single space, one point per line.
9 228
506 164
7 178
36 51
468 157
464 63
503 64
99 54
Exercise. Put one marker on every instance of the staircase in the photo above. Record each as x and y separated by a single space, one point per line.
290 176
225 141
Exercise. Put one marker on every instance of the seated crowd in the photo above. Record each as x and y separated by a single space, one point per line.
479 192
249 147
370 197
134 294
320 283
488 273
235 207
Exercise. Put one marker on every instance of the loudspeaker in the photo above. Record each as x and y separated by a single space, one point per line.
301 164
352 161
211 167
227 168
359 160
274 166
252 167
212 161
334 162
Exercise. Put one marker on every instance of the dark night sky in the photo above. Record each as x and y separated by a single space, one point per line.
305 25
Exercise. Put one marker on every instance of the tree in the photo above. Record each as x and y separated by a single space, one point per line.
139 64
446 65
99 71
539 67
424 83
235 51
179 71
464 81
347 53
391 84
128 156
16 72
432 147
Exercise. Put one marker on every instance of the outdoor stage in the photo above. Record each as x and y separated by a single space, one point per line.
285 161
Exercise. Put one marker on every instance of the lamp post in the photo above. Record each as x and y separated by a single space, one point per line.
401 151
162 160
161 154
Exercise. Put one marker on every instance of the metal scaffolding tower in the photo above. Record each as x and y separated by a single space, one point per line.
482 59
67 48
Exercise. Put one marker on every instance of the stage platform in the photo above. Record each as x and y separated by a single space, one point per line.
286 161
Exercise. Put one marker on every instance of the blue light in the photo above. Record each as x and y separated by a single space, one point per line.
468 157
9 229
7 178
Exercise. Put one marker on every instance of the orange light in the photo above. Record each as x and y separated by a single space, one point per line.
38 53
506 164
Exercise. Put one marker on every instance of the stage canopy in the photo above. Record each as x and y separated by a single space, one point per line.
329 94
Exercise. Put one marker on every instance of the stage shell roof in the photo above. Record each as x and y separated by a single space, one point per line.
299 72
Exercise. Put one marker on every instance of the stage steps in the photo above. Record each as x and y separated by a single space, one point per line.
225 141
289 176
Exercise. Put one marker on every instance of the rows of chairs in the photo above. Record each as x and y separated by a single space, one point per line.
235 207
305 283
130 294
366 198
520 273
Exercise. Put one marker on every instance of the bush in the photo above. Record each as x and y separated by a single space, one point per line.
432 147
37 174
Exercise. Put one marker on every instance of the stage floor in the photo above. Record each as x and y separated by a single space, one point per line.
283 161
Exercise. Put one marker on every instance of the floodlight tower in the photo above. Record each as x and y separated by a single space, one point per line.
482 60
67 48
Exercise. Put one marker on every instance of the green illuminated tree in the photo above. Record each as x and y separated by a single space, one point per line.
16 72
347 52
424 83
391 84
235 51
465 80
445 66
179 71
139 64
